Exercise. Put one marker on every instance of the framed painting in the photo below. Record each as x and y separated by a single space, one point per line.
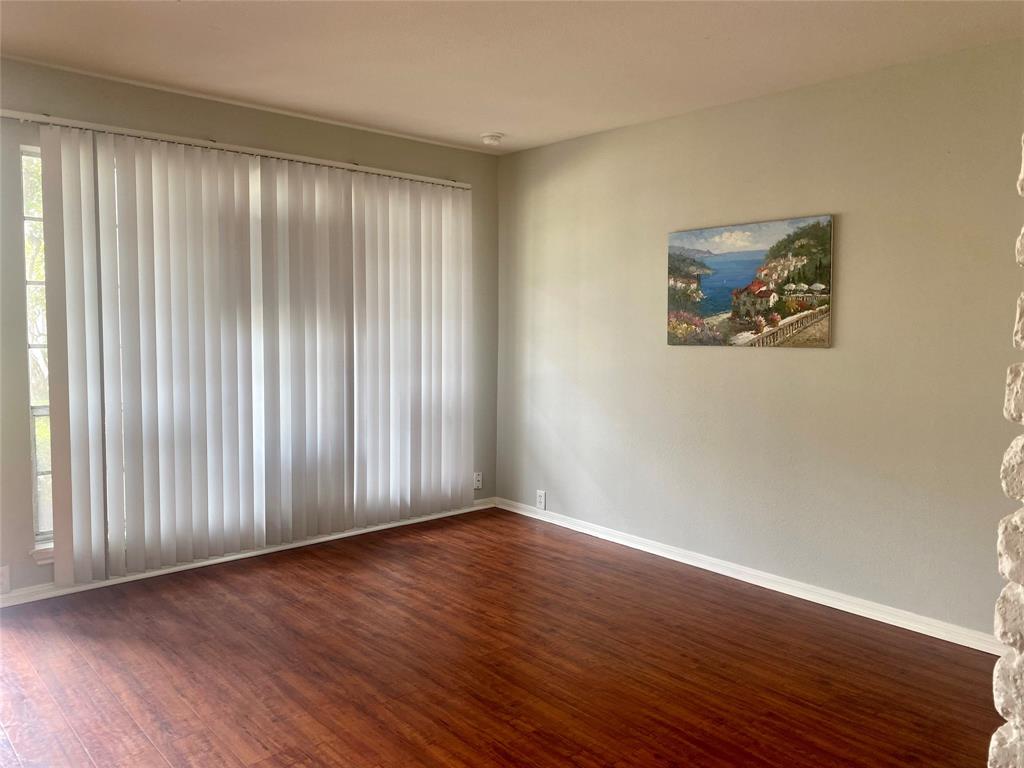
762 284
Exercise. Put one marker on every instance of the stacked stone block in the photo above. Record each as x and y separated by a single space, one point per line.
1007 747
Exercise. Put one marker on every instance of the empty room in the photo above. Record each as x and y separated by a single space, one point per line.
482 384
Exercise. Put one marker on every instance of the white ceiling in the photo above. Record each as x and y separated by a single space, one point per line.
538 71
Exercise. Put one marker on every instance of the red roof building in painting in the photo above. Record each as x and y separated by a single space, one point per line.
753 299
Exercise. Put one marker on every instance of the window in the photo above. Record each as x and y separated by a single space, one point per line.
38 369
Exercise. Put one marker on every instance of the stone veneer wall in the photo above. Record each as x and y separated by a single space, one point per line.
1007 747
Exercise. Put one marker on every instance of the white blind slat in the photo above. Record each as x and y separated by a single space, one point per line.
131 354
113 429
196 211
61 455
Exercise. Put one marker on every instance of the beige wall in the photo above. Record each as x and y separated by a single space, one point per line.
869 468
28 88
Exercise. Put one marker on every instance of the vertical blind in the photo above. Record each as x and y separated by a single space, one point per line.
257 351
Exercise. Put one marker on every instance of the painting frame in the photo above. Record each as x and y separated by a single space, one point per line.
754 284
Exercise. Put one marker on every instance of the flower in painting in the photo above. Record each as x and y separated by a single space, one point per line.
688 328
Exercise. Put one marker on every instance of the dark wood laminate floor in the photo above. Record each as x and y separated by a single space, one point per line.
487 639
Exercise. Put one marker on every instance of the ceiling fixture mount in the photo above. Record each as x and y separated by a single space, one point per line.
492 138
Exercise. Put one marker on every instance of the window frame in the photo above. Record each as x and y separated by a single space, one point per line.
43 538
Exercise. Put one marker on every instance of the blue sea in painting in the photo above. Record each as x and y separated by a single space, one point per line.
731 271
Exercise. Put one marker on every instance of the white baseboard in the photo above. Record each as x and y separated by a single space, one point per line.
895 616
44 591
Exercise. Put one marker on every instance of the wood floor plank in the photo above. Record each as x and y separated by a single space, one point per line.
483 640
199 751
106 730
32 720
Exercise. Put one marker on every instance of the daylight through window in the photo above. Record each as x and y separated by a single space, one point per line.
38 369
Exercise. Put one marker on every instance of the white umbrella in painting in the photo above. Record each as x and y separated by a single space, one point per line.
801 287
789 288
817 287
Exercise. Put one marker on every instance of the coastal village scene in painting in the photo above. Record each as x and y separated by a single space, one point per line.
766 284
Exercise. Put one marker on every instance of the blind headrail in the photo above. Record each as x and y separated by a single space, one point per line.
32 117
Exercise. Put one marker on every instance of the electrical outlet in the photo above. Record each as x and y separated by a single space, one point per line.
542 500
5 579
478 481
